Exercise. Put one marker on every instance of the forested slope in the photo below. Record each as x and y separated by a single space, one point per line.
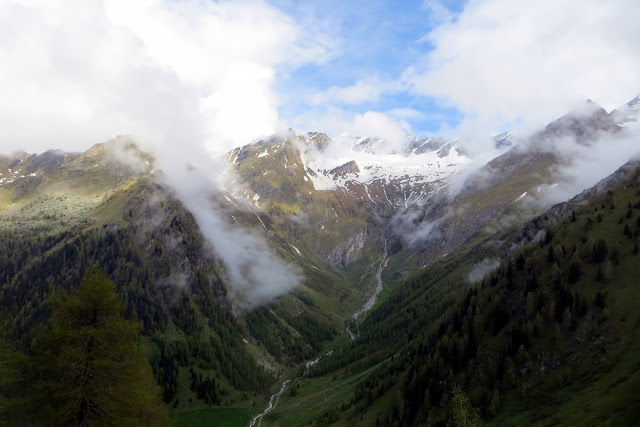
84 213
550 336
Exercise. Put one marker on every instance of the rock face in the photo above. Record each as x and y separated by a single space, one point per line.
348 252
347 168
317 139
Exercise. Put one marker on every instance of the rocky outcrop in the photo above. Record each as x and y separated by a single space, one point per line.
348 252
348 168
317 139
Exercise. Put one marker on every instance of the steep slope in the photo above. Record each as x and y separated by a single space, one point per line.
104 207
337 199
548 333
516 185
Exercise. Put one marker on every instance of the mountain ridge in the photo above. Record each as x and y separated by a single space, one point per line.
109 205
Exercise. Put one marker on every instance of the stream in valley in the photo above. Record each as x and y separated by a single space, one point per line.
273 401
372 300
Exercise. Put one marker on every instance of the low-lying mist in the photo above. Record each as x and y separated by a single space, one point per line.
254 273
567 157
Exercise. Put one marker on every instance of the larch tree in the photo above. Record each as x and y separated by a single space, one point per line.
89 365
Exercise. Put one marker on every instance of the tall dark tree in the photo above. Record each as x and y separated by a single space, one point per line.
600 251
575 271
551 257
90 367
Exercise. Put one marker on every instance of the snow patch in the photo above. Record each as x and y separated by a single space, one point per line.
420 168
296 249
521 197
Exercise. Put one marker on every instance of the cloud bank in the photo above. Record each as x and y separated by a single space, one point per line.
525 63
78 73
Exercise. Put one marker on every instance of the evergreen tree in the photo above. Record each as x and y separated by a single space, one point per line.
509 375
600 251
89 365
589 225
575 271
463 413
551 256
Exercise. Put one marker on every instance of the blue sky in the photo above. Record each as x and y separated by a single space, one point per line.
375 40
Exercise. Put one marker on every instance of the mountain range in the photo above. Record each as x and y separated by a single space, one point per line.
387 283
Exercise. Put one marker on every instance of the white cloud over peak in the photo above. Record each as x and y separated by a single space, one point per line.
76 73
390 125
521 61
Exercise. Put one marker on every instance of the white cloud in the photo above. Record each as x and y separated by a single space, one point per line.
373 123
366 90
76 73
352 95
438 13
409 113
335 122
480 270
528 62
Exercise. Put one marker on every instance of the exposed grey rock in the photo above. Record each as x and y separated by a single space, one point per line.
348 252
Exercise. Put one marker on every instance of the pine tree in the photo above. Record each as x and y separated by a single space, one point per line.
90 367
600 251
551 256
463 413
494 403
575 271
509 375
